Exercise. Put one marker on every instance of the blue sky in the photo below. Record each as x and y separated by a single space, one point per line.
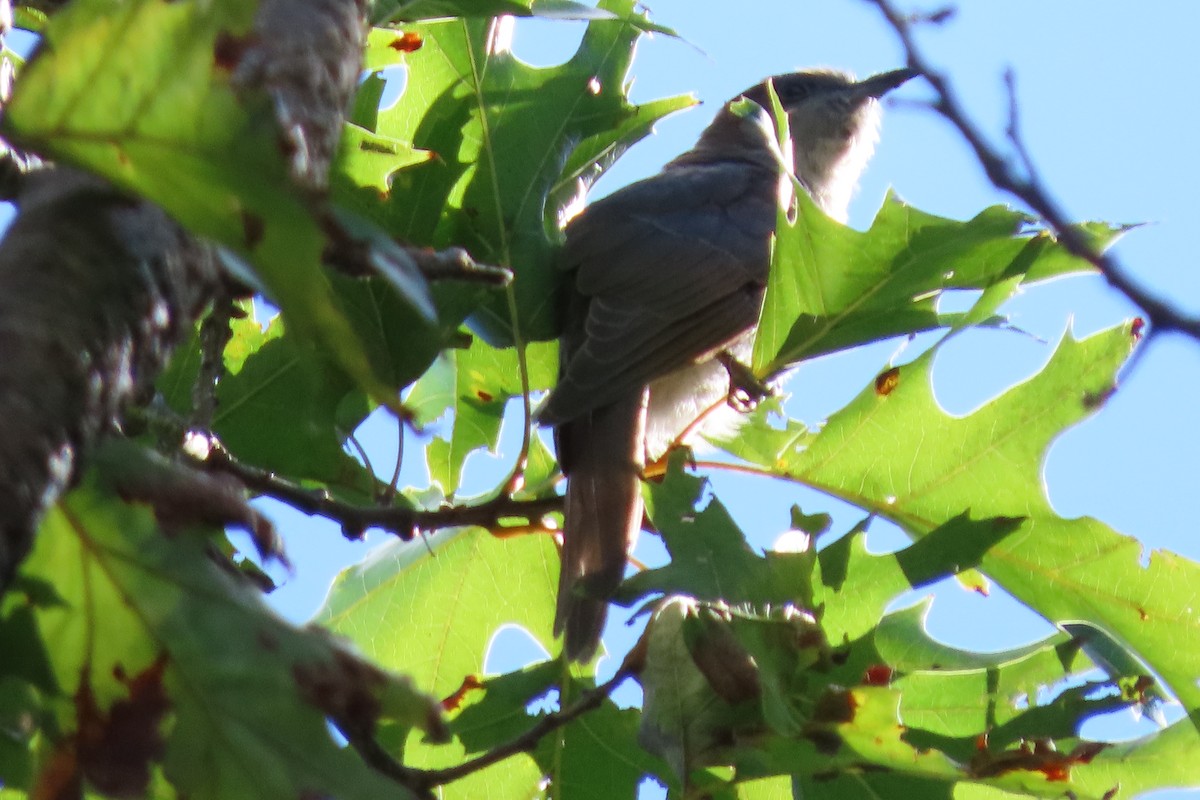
1107 100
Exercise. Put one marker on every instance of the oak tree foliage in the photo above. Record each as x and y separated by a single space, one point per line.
138 656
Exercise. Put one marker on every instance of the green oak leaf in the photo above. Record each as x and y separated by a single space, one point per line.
476 382
897 454
831 287
429 608
142 608
514 145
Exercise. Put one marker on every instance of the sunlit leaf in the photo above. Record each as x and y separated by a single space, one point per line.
832 287
514 145
146 615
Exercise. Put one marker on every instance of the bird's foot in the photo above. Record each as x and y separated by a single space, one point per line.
746 391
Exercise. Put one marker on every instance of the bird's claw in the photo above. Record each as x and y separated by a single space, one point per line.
746 391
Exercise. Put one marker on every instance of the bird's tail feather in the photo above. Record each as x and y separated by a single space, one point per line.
603 458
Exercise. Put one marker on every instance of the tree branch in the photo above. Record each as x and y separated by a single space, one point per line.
455 263
405 523
527 741
352 257
1028 187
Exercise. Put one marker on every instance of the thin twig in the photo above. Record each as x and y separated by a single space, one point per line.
358 448
1028 188
528 740
390 493
455 263
351 257
402 522
380 760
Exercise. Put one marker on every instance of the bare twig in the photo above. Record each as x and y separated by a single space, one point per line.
390 493
528 740
403 522
382 762
352 257
1028 187
455 263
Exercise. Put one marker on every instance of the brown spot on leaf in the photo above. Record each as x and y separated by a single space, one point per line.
407 42
887 381
454 700
114 750
1143 614
371 146
59 777
878 675
486 397
252 229
635 659
1037 756
1093 400
228 50
1137 328
835 706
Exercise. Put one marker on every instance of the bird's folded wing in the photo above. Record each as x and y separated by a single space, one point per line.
674 268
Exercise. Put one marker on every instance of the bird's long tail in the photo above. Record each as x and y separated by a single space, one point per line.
602 454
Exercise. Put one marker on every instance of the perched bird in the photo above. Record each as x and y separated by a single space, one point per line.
668 276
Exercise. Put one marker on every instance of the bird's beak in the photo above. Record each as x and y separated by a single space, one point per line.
879 85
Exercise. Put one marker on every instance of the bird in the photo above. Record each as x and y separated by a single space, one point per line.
664 284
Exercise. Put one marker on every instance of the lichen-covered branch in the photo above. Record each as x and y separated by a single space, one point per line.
96 288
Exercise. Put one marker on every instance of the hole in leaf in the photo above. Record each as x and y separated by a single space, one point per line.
512 648
395 81
546 42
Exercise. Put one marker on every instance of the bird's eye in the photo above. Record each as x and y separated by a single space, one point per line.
795 92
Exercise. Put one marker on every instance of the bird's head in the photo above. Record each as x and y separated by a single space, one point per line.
834 123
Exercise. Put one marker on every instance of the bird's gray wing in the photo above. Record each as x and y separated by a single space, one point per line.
668 270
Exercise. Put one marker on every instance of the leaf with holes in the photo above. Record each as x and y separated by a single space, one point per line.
831 287
477 382
900 456
514 144
149 629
